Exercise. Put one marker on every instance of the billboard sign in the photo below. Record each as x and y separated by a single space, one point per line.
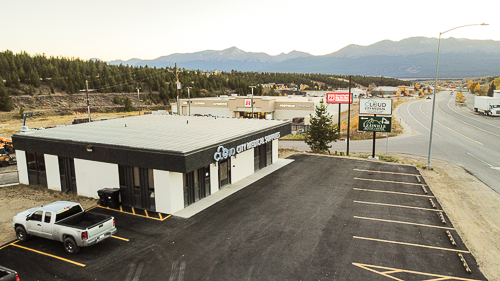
338 98
375 106
375 123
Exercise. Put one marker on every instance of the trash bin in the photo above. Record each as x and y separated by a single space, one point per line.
103 199
113 197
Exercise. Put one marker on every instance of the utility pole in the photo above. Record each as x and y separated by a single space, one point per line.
252 98
349 115
139 100
87 99
189 101
177 86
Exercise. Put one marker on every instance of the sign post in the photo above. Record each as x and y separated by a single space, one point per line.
341 98
375 123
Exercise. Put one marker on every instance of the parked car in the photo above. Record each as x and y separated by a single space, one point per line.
8 274
66 222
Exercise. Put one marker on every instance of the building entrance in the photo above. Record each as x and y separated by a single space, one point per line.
137 187
224 173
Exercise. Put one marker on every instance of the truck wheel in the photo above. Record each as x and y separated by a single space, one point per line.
21 234
70 245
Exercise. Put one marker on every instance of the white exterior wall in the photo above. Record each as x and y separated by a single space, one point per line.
275 151
52 169
219 110
92 176
22 166
290 114
214 178
169 193
242 165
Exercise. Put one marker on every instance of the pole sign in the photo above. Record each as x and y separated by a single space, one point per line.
375 123
338 98
375 106
248 102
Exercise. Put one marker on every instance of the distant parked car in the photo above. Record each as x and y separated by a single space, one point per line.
428 98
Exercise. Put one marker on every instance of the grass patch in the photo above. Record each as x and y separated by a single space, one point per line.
293 137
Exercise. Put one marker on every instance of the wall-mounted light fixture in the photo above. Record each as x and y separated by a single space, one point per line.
90 148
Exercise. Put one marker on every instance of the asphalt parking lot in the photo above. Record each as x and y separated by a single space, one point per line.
318 218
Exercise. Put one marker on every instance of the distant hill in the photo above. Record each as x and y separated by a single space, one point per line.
409 58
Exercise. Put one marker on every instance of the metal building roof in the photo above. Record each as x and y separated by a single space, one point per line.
159 132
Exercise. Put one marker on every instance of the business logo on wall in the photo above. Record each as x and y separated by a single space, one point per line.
248 102
375 106
224 153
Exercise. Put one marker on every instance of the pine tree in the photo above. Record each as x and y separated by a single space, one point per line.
322 131
6 103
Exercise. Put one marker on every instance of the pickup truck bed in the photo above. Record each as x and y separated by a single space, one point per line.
83 220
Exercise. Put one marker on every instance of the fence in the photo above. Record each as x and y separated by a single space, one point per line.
8 178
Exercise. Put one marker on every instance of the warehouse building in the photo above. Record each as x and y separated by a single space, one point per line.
161 163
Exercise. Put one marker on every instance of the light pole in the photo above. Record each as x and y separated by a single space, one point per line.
252 98
189 101
435 88
139 99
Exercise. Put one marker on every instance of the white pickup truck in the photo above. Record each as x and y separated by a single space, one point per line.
66 222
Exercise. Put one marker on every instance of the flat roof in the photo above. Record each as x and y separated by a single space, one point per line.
158 132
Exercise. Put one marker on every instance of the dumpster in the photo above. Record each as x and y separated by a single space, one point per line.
103 199
113 197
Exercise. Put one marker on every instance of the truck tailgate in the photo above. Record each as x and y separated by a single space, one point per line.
101 228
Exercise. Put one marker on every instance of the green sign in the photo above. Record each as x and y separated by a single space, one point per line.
375 123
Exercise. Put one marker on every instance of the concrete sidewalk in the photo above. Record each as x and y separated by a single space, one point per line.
201 205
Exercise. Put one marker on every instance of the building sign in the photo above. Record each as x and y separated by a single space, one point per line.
338 98
184 102
220 103
305 106
375 123
375 106
224 153
287 105
199 102
248 103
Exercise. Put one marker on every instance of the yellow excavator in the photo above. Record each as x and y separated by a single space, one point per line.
7 144
5 158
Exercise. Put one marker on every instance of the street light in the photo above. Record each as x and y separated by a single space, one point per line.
435 88
252 98
189 101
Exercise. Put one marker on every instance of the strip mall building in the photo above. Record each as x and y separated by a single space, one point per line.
161 163
264 107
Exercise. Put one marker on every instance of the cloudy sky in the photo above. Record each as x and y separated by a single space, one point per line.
147 29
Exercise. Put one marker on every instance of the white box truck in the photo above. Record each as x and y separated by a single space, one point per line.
488 105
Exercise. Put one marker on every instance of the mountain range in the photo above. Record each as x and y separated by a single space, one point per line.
413 57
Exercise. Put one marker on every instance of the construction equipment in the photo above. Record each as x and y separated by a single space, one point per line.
5 158
7 144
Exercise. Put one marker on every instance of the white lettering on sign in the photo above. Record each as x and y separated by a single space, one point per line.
220 103
304 106
287 105
375 106
198 102
224 153
338 98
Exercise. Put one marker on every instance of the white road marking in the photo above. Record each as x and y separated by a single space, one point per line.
408 110
138 272
475 119
491 166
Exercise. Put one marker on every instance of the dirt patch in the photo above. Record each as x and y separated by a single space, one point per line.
18 198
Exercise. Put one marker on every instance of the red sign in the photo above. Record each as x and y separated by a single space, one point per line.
248 103
338 98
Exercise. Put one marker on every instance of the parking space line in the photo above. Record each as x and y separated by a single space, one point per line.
400 206
384 172
393 192
45 254
410 244
91 208
116 237
4 246
133 214
400 182
373 268
403 222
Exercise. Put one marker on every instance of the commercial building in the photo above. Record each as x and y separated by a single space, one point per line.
264 107
160 163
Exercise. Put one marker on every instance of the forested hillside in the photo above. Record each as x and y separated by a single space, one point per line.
24 74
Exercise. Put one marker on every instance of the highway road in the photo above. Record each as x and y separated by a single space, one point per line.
461 136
